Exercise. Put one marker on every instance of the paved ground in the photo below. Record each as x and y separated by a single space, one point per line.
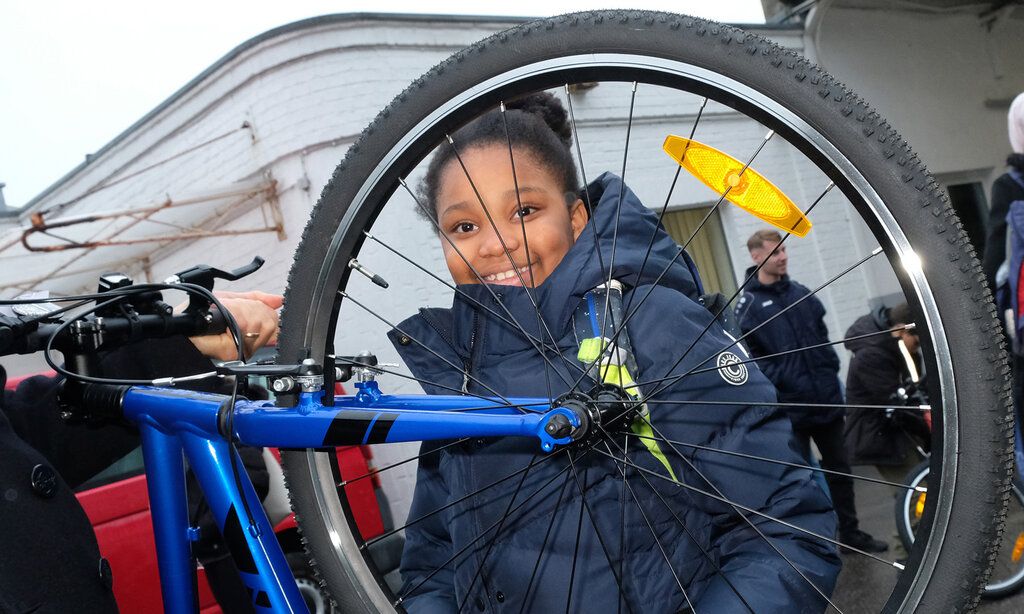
865 583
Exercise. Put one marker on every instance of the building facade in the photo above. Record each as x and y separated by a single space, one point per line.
242 152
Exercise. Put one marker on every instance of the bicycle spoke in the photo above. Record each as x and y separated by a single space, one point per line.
497 531
773 404
476 492
458 391
576 548
454 289
526 244
546 459
583 173
736 509
605 272
593 523
668 197
682 248
485 285
428 348
504 246
753 274
657 541
618 212
664 385
793 351
373 472
543 546
622 519
750 510
775 461
680 522
563 471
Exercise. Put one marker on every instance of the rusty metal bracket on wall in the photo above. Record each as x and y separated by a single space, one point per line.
266 190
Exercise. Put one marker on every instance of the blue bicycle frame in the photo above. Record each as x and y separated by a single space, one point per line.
175 424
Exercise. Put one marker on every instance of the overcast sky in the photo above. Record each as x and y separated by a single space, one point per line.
74 74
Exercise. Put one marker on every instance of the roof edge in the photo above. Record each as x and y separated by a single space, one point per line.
294 26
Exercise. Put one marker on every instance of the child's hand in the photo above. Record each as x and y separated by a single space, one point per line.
257 318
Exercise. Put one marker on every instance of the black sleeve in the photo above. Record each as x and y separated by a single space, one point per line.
79 452
995 229
871 378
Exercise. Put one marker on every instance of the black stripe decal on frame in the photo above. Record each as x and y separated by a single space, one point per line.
380 429
348 427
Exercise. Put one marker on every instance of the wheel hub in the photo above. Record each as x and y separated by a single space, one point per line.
603 409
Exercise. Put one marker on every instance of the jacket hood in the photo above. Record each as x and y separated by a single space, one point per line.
583 268
876 321
1016 160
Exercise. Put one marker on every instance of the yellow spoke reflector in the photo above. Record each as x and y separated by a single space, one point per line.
1018 548
919 506
747 189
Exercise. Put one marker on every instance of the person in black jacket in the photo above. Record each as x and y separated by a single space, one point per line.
892 441
50 561
1006 190
779 316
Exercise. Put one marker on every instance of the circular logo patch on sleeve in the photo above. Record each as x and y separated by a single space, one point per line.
732 369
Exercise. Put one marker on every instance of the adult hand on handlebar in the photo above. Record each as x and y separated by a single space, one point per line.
257 318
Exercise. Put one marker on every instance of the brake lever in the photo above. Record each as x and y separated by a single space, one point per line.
204 275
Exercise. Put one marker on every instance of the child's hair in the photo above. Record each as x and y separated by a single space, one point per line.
536 122
759 238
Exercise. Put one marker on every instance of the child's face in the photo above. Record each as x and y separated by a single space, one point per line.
551 226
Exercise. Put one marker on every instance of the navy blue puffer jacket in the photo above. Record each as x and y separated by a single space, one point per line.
810 376
583 548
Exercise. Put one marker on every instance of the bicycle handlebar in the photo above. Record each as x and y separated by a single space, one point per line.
114 325
21 336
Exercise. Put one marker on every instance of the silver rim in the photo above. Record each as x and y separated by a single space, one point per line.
898 248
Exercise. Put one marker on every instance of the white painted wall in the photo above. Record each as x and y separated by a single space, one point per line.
943 78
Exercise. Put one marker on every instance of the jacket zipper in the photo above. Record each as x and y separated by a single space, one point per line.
468 363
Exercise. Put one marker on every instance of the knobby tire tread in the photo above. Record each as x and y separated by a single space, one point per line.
740 55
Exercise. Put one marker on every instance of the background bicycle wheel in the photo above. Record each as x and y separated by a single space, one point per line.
831 135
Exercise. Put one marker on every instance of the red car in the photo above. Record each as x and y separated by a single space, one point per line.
117 503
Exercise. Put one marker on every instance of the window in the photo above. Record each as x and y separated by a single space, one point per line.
708 248
129 465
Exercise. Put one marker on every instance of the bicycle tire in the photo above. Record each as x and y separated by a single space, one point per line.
999 584
963 528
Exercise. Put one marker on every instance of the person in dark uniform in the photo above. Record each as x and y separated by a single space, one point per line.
779 316
51 561
1006 189
881 365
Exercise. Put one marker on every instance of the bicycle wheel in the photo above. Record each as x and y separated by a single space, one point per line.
911 504
601 63
1007 575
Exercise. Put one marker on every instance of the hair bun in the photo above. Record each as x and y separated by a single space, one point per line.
549 109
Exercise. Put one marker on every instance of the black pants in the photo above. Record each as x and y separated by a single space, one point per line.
228 589
834 457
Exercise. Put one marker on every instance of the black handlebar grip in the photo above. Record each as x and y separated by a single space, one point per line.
218 323
104 399
83 402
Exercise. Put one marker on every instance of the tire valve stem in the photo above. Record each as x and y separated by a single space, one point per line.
377 279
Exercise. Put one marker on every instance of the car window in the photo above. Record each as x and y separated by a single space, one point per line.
129 465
